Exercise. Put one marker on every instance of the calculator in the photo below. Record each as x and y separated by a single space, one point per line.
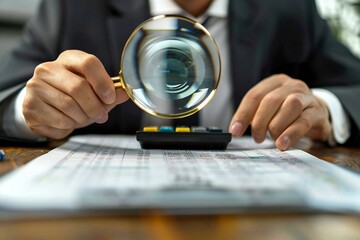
183 137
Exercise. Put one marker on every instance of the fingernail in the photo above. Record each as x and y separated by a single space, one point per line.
257 138
236 129
101 118
109 96
285 142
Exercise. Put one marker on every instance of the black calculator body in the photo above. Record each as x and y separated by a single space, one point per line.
194 138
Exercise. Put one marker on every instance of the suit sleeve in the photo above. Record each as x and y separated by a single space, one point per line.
332 65
39 44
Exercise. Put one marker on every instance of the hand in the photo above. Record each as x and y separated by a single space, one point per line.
286 108
71 92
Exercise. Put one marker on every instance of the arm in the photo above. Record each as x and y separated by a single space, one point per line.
69 92
35 47
336 69
287 108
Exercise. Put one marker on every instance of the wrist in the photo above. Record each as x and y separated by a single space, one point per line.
339 121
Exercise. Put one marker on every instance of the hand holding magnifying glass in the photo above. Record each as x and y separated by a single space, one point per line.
170 67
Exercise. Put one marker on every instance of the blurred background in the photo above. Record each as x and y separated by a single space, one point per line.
344 18
13 15
342 15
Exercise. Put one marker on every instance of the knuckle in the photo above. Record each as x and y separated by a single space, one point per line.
62 123
94 112
33 126
300 85
77 87
31 84
88 62
83 121
274 130
67 104
67 53
296 101
281 76
38 131
271 98
254 95
29 118
28 104
305 121
64 54
42 69
32 119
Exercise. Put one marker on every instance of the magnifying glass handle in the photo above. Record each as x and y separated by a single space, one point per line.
117 82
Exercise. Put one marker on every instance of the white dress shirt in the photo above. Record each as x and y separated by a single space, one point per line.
220 105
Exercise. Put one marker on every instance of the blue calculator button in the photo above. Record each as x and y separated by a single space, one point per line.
166 129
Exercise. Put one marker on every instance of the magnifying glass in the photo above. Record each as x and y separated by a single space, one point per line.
170 67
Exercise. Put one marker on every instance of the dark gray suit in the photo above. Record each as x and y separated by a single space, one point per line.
266 37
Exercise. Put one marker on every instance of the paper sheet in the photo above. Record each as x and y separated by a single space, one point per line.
97 172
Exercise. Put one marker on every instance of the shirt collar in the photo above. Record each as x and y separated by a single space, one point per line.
218 8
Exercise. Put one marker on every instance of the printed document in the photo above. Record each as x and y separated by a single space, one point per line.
113 172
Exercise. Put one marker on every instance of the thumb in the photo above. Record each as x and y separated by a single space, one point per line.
121 97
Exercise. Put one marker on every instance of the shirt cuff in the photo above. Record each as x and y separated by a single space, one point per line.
14 124
339 118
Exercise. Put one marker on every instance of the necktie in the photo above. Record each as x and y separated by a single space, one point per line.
194 119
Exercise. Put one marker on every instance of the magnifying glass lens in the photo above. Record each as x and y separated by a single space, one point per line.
171 67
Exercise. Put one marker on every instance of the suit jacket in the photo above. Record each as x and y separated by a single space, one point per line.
266 37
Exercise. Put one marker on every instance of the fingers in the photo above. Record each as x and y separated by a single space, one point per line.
271 109
296 130
250 104
322 129
285 108
58 125
53 133
51 97
72 86
121 96
291 108
71 92
299 116
92 70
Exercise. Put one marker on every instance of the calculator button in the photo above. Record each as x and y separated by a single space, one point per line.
198 129
214 129
151 129
166 129
182 129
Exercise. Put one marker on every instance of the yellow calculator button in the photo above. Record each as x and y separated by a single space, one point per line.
151 129
182 129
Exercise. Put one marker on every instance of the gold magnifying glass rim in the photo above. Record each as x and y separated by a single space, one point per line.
119 81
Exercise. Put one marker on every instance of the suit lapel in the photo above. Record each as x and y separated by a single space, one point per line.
127 15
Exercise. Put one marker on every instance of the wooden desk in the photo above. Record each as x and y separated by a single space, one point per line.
155 225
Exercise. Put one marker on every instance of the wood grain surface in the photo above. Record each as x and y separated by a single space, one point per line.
157 225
